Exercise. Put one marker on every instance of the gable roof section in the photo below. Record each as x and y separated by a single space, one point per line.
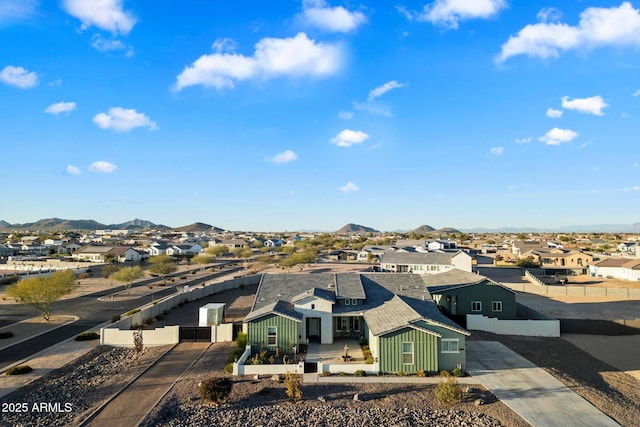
279 308
631 263
390 316
324 294
286 287
349 286
452 277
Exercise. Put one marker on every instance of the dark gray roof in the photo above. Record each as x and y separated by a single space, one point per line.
417 258
286 287
452 277
281 308
390 316
324 294
349 286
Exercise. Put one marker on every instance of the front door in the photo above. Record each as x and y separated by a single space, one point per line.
313 327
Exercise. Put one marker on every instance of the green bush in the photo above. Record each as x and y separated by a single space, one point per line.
458 372
400 373
6 334
421 373
132 312
449 391
242 340
359 373
19 370
87 336
228 368
215 390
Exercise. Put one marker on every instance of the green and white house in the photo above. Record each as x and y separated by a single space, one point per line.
393 312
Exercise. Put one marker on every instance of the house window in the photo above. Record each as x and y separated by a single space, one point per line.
347 302
450 346
313 306
476 306
407 353
354 302
272 336
496 305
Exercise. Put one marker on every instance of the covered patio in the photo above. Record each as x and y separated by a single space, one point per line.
333 353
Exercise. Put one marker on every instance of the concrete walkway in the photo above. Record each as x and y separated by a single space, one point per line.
129 407
527 389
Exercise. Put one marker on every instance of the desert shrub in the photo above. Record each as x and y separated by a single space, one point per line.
421 373
326 374
400 373
449 391
149 320
342 374
458 372
363 342
19 370
293 386
6 334
159 317
228 368
242 340
132 312
87 336
84 275
115 318
359 373
215 390
445 374
369 360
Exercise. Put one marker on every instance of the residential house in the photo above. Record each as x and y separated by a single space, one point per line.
560 258
393 312
176 250
441 245
272 243
234 243
425 263
630 248
158 248
460 293
99 253
618 268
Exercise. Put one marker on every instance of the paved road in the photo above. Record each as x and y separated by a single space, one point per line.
131 406
90 311
527 389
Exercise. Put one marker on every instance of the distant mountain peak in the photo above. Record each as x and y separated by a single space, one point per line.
356 229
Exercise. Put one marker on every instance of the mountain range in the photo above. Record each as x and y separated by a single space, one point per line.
57 224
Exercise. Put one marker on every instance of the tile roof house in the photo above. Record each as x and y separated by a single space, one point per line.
425 262
619 268
393 312
98 253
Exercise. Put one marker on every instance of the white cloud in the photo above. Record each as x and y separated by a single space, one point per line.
636 93
349 187
103 45
554 114
616 26
381 90
123 120
348 137
496 151
593 105
102 167
107 15
524 140
448 13
61 107
558 136
318 14
284 157
633 188
16 10
18 77
345 115
72 170
273 57
549 14
377 109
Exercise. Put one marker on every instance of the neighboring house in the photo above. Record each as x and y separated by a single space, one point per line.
234 243
393 312
6 251
618 268
519 247
31 241
425 262
98 253
158 248
342 255
441 245
630 248
560 258
272 243
175 250
461 293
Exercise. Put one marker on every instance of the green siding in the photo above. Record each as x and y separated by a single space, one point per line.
287 332
486 293
448 361
425 351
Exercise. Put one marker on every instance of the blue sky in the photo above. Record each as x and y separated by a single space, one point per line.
311 114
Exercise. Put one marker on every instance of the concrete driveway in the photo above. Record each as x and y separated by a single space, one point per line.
527 389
